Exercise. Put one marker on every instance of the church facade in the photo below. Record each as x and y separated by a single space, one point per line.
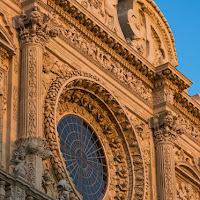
92 106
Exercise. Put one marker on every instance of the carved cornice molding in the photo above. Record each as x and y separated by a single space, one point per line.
109 40
188 103
173 75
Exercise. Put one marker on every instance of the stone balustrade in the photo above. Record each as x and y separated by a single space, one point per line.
18 188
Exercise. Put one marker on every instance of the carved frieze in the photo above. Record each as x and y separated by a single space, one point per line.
110 65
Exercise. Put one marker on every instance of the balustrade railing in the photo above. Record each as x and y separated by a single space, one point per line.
17 188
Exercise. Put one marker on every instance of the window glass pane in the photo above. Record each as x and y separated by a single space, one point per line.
84 157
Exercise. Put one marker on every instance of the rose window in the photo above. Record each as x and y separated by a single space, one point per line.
84 157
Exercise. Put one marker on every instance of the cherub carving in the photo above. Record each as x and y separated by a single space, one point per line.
20 21
156 122
35 18
18 160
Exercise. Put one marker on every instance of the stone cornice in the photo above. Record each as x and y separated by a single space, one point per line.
188 103
175 76
109 39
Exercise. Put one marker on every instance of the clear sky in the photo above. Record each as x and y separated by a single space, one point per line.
183 17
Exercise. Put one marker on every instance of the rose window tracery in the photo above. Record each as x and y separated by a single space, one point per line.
84 157
91 102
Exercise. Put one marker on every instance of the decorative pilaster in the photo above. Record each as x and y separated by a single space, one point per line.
166 130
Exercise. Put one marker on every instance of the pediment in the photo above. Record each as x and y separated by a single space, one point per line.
147 31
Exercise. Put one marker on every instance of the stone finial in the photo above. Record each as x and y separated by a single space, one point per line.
63 190
167 127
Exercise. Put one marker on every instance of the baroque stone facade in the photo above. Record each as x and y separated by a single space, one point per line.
112 65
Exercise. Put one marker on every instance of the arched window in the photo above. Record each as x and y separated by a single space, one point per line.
84 157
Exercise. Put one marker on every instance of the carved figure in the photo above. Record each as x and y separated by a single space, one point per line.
156 122
63 190
35 19
109 9
21 20
18 160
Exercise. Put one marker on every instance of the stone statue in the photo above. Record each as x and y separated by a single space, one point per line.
109 8
21 20
18 160
156 122
63 190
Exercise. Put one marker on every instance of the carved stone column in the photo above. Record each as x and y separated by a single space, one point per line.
32 41
166 130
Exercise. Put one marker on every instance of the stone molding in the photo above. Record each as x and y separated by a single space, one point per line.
50 126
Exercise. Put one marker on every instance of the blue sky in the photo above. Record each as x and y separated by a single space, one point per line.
183 17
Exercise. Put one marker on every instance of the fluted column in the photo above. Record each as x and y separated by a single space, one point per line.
166 129
165 167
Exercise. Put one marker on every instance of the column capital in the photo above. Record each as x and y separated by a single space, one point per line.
167 127
36 27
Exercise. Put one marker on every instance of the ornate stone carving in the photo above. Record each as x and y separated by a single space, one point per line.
51 69
2 189
1 84
167 127
80 103
18 161
185 191
63 190
36 27
15 102
183 157
20 194
24 157
105 11
110 65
